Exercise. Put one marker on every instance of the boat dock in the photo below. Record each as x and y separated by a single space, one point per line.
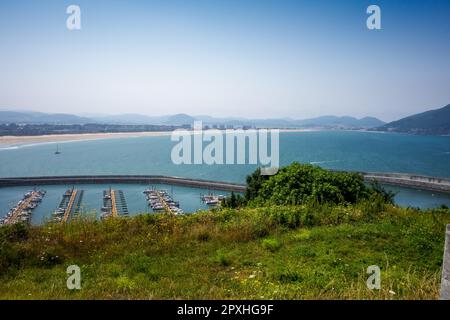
69 206
22 211
160 200
77 203
114 203
120 202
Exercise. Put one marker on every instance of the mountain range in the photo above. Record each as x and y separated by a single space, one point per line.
433 122
25 117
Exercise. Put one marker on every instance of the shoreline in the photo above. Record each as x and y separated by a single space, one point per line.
11 141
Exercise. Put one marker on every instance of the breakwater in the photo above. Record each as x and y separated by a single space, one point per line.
112 179
409 180
400 179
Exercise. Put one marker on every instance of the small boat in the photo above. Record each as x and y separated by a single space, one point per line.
212 202
57 150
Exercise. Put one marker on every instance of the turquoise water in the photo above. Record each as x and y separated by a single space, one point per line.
189 199
342 150
347 150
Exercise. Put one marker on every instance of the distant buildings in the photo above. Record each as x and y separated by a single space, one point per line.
14 129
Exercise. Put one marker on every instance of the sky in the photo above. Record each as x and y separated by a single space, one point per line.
240 58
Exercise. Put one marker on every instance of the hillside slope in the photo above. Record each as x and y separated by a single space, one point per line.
299 252
433 122
39 117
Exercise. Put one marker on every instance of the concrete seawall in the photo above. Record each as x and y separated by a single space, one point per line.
410 181
114 179
399 179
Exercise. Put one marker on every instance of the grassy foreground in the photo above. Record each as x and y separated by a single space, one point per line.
279 252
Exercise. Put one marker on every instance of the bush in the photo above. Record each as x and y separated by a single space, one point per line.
233 201
15 232
272 245
125 284
222 259
303 183
9 256
288 277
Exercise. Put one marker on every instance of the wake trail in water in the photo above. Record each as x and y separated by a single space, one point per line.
325 161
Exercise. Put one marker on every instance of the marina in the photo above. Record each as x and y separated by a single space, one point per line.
89 200
22 211
114 204
69 206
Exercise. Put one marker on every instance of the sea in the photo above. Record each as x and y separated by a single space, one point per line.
151 155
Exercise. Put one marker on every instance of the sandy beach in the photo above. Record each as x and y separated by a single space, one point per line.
24 140
21 140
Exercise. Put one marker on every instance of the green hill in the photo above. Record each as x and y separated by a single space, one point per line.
281 252
433 122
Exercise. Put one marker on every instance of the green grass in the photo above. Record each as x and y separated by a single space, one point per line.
299 252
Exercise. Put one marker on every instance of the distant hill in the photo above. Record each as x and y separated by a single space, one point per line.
179 119
433 122
129 118
39 117
341 122
328 122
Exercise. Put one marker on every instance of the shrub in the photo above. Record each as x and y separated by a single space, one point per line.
9 256
233 201
125 284
288 276
303 183
222 258
272 245
15 232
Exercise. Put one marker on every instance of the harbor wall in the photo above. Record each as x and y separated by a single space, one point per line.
114 179
410 181
399 179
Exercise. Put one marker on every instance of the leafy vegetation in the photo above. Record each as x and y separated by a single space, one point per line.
234 201
304 183
280 252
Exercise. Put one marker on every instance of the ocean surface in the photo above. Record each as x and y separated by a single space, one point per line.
342 150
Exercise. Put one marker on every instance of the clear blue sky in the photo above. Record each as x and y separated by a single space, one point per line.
251 58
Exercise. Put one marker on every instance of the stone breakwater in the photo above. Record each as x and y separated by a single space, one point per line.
132 179
400 179
410 180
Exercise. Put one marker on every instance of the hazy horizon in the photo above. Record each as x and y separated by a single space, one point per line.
95 115
249 59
